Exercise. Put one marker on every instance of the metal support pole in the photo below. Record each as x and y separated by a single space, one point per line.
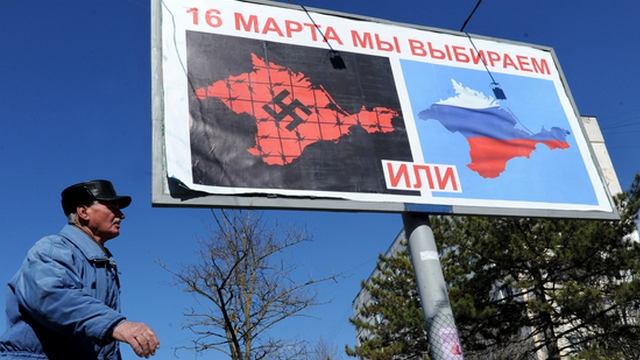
441 327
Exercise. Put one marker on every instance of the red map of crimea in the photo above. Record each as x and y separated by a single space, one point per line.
290 113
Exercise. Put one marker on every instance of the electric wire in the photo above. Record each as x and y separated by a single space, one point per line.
493 81
317 27
470 16
484 63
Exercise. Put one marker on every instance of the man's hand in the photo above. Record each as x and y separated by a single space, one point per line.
142 339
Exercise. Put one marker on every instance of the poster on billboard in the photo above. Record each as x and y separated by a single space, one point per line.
270 105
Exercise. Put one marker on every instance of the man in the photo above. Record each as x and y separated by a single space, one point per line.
64 302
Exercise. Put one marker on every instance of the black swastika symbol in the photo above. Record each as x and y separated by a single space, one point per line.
286 110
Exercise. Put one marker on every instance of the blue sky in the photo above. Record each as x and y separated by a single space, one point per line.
75 94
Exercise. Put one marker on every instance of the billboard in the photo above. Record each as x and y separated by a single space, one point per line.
261 104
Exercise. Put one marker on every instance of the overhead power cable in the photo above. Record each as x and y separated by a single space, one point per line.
334 56
470 16
497 90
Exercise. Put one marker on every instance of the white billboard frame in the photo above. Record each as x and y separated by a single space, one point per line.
171 192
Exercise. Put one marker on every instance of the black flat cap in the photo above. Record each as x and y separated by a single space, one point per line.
87 192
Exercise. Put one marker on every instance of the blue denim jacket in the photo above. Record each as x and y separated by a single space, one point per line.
64 301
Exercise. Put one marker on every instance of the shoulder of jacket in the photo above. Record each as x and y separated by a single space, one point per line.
53 246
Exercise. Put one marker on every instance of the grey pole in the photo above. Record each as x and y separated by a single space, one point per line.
441 328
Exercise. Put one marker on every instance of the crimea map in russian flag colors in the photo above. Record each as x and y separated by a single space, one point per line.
490 130
521 148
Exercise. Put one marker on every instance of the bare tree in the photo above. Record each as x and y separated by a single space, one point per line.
242 281
323 350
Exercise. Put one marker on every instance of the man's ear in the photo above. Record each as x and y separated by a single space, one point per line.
82 211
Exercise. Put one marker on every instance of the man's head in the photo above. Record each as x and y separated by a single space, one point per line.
95 207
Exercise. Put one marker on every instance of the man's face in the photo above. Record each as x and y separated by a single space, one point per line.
103 219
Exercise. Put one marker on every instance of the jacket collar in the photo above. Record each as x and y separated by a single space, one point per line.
89 248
